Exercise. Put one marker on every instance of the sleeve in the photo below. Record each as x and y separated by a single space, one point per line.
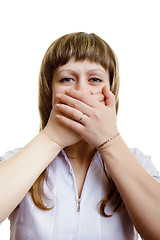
9 154
146 162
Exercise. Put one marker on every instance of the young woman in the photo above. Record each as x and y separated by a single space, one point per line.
77 179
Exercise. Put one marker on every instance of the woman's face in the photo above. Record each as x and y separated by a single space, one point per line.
83 75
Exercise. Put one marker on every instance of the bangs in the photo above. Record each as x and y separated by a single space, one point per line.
82 46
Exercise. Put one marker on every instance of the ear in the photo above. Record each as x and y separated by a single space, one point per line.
109 97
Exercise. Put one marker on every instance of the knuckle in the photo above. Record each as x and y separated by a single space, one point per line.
114 98
112 94
95 114
101 97
84 97
73 113
75 105
72 125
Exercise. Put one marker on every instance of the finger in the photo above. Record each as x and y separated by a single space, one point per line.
109 97
83 97
76 126
74 103
71 112
99 96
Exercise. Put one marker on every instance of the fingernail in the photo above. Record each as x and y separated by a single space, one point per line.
58 116
57 105
58 95
68 90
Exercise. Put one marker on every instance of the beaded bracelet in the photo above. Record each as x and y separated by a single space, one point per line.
108 140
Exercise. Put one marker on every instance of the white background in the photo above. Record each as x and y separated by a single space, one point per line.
130 27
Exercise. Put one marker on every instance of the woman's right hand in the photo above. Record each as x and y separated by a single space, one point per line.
59 133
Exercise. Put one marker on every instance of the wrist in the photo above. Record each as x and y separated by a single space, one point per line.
110 144
50 140
108 140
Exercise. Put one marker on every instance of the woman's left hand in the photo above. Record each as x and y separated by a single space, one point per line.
93 120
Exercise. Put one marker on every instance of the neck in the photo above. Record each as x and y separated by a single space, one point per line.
80 153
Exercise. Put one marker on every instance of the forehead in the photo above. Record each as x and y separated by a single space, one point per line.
86 65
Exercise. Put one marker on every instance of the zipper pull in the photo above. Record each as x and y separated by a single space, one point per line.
79 202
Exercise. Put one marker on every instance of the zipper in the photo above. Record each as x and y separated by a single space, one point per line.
79 203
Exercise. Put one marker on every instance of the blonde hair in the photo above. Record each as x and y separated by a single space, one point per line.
82 46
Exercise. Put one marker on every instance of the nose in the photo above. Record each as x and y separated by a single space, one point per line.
82 87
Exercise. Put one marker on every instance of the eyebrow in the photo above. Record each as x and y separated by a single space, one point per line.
74 72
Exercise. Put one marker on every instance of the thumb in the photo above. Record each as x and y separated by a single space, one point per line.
109 97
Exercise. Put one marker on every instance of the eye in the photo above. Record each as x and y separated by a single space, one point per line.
66 80
95 80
